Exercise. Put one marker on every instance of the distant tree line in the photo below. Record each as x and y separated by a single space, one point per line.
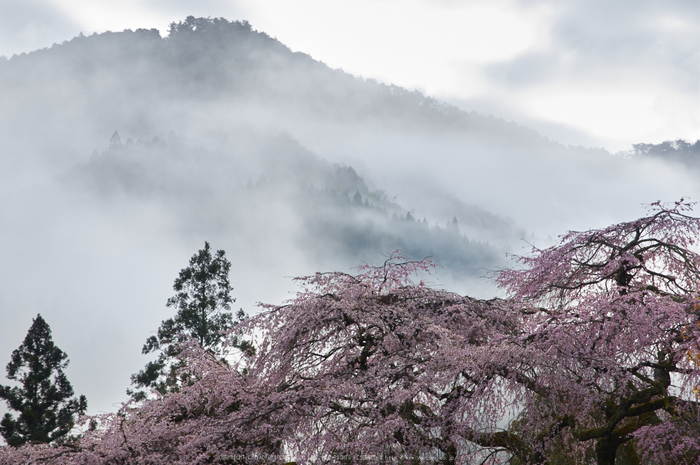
674 151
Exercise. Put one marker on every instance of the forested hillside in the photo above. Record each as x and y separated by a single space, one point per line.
212 80
245 182
214 62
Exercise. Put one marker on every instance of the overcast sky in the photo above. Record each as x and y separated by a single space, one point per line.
598 73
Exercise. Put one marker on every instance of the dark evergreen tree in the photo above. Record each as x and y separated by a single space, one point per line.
115 142
203 302
44 398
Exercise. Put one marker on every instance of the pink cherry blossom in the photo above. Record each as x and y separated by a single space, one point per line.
592 357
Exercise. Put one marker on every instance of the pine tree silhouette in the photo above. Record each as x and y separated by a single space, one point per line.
203 302
44 400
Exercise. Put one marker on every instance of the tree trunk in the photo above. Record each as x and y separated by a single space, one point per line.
606 449
627 454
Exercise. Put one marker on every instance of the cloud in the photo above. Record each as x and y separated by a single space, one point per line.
27 25
620 71
101 15
613 40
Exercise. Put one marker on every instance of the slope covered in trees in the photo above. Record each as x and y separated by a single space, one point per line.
221 63
233 90
210 75
225 185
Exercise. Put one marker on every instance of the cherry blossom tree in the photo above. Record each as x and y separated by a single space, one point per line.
357 369
375 368
592 358
613 321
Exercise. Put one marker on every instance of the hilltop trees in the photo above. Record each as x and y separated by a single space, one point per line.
679 151
203 302
44 398
592 358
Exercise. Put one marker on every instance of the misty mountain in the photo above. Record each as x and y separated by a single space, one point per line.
214 61
207 74
210 77
243 181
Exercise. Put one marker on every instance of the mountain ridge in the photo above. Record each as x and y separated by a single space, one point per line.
197 58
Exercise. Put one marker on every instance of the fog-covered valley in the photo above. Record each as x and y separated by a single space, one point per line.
121 153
